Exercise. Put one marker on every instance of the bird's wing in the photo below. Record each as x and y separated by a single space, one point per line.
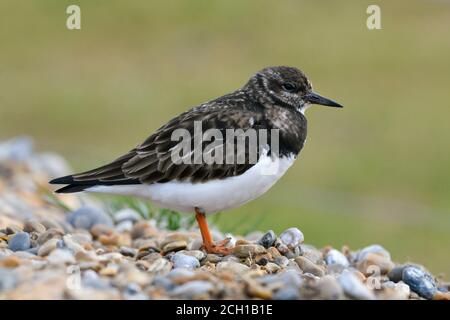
152 161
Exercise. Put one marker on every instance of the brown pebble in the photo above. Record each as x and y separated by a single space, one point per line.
31 225
175 246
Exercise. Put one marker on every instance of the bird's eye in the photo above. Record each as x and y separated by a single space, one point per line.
289 86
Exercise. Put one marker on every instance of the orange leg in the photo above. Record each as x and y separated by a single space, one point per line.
208 243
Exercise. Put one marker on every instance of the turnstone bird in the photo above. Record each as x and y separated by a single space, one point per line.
271 104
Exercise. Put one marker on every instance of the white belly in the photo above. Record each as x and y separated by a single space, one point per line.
211 196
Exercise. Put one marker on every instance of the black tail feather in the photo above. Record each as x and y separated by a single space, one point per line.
71 188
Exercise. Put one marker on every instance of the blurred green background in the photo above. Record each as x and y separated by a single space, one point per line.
375 172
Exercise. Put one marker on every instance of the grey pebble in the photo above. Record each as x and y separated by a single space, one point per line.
353 287
419 281
92 280
287 293
180 260
292 237
193 289
126 214
336 258
87 217
8 279
376 248
19 242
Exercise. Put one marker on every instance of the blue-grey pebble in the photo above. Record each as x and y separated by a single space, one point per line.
287 293
420 281
192 289
20 242
184 261
92 280
163 282
87 217
8 279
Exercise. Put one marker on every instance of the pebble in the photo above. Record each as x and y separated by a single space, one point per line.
419 281
193 289
87 217
247 250
268 239
49 234
232 266
61 257
287 293
335 258
395 291
175 246
48 247
307 266
8 279
292 237
160 266
353 287
180 260
373 249
127 214
329 288
31 225
199 255
124 226
92 280
384 264
213 258
19 242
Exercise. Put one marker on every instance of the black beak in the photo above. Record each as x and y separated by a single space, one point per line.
315 98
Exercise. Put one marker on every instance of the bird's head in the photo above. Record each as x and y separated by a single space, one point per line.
286 86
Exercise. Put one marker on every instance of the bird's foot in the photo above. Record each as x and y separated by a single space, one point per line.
218 248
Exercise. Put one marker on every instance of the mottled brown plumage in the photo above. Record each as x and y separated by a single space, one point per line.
274 98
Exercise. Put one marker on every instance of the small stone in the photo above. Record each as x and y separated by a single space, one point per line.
213 258
314 255
8 279
48 247
127 214
268 239
159 266
282 261
19 242
31 225
87 217
382 263
199 255
180 260
247 250
71 244
92 280
233 267
142 230
329 288
124 226
287 293
109 271
396 274
420 281
308 266
271 267
255 290
16 149
101 229
292 237
175 246
128 252
373 249
61 257
394 291
336 258
49 234
109 240
439 295
193 289
354 288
